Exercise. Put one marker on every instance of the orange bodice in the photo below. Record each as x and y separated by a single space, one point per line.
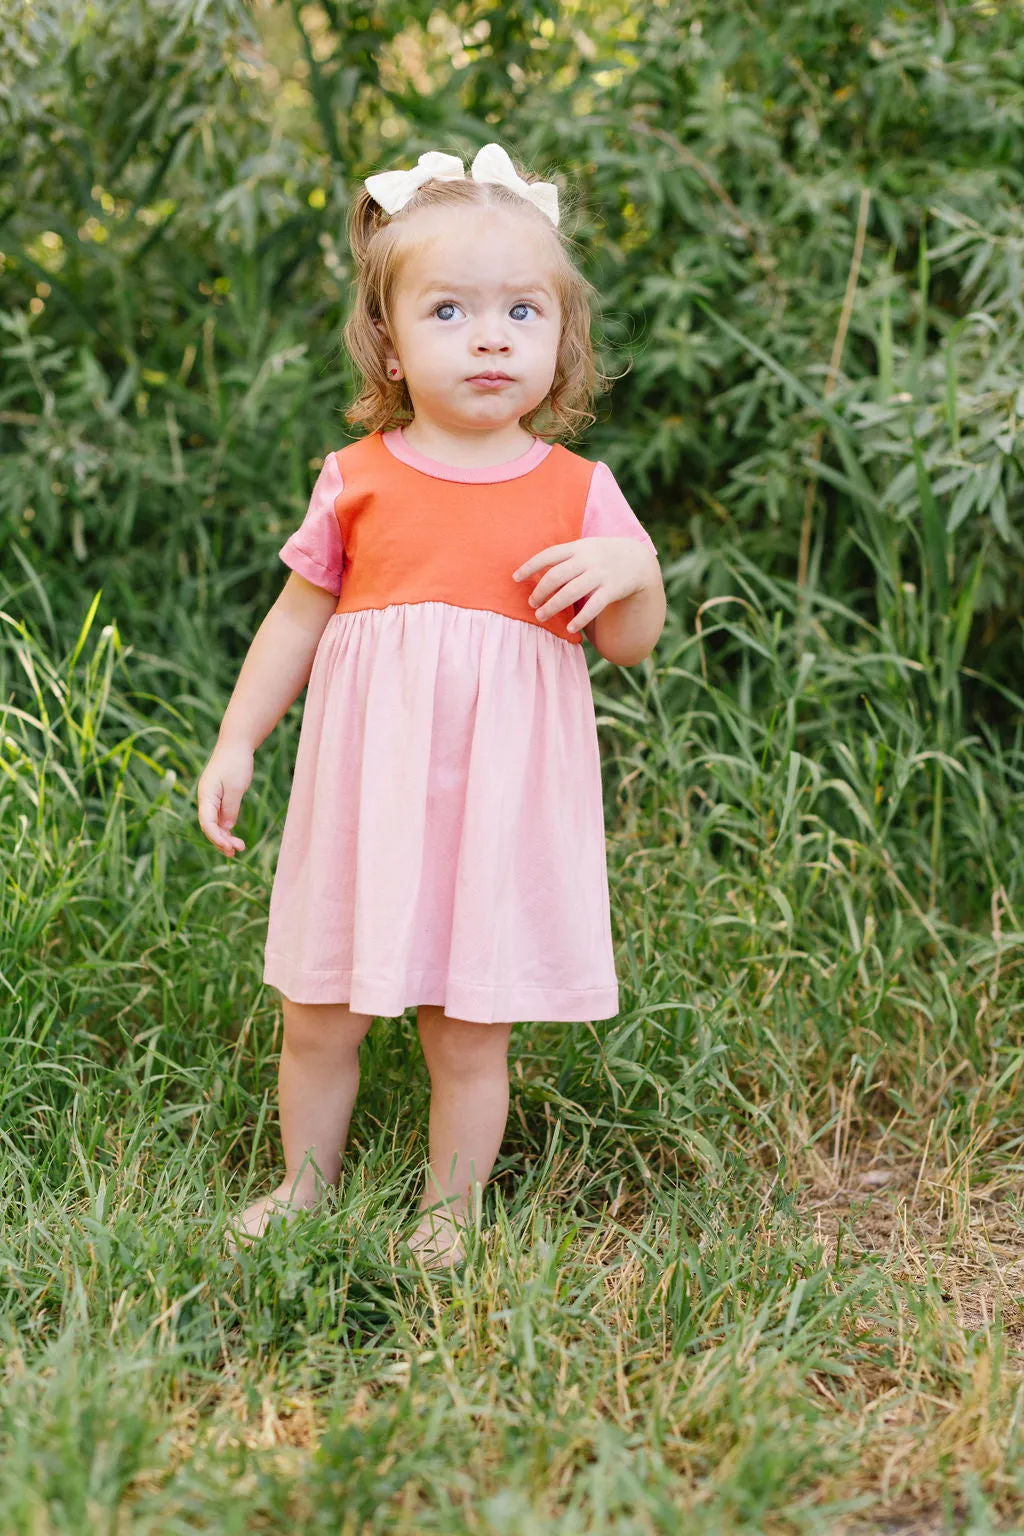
412 538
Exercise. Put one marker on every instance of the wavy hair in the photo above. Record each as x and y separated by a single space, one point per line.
379 243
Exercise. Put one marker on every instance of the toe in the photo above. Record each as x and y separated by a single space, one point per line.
437 1246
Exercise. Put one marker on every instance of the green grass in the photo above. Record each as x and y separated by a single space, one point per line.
751 1259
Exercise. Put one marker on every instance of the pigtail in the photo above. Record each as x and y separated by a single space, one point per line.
379 400
365 217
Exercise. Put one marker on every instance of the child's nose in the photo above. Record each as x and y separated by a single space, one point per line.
491 334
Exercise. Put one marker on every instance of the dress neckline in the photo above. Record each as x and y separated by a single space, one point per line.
481 474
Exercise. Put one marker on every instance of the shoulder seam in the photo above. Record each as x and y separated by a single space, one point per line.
580 459
355 442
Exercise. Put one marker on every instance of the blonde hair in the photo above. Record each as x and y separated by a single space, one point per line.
378 247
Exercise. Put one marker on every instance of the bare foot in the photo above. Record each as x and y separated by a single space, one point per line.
437 1241
255 1218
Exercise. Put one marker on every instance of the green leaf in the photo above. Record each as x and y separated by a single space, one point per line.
964 501
886 373
935 540
782 902
840 435
964 613
952 414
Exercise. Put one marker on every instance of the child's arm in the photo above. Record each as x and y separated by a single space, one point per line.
278 662
275 671
626 631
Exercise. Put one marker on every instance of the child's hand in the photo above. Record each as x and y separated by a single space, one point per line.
605 569
222 784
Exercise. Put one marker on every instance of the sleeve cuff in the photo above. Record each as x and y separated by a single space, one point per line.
311 569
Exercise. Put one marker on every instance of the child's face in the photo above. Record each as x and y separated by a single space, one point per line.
474 294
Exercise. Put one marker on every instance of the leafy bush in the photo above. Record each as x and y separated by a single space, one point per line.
175 276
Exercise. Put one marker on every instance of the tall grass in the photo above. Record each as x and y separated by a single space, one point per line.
746 1250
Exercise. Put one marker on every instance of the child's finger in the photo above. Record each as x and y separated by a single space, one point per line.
229 807
229 815
208 810
211 815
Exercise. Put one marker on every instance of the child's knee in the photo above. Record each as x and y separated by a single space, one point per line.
319 1028
455 1048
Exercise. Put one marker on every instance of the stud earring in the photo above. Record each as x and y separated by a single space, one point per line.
393 372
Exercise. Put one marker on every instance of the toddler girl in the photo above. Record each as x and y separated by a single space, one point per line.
444 840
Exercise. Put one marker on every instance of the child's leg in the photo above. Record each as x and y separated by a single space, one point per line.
317 1082
318 1078
468 1066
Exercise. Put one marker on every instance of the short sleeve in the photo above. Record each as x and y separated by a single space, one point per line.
315 549
608 515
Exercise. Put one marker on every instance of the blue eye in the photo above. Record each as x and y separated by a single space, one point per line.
451 304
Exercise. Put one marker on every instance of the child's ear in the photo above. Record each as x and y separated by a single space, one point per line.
390 357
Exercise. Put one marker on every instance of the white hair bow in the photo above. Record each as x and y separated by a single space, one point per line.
393 189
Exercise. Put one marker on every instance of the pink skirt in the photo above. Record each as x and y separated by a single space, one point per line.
444 839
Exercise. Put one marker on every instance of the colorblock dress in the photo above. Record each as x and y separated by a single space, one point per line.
444 840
